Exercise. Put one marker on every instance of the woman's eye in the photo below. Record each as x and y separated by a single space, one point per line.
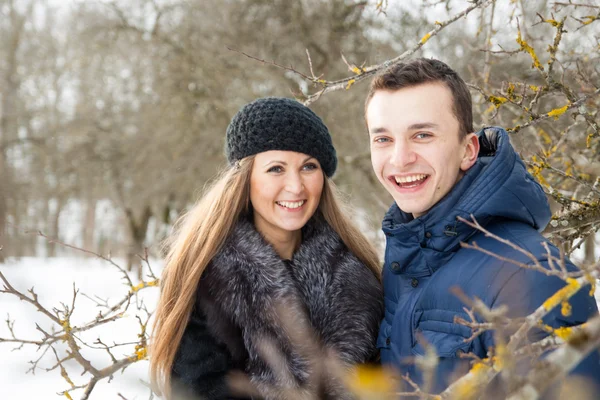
310 167
276 169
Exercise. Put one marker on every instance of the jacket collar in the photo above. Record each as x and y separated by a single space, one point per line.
496 186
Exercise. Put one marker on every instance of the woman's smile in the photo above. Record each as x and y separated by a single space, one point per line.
291 205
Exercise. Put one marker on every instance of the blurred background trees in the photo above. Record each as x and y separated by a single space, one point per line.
113 113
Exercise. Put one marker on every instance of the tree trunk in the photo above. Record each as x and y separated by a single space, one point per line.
8 118
18 243
54 228
3 213
590 248
137 236
89 224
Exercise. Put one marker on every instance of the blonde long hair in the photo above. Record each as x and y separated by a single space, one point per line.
198 237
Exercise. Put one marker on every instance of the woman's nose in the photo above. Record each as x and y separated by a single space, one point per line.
293 184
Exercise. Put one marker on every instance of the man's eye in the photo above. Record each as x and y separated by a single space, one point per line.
381 140
423 135
276 169
310 167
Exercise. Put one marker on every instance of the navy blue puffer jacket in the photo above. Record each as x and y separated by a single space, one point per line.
424 259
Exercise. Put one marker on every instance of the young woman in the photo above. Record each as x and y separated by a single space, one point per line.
267 253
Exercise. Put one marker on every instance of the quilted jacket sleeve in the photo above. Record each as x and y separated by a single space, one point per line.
526 290
201 363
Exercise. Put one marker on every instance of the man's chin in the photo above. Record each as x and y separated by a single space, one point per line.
415 210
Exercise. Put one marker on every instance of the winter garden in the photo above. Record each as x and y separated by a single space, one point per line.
111 122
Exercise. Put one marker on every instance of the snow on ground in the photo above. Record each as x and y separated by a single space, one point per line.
53 281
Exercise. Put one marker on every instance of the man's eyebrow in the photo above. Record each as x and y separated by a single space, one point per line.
375 131
422 125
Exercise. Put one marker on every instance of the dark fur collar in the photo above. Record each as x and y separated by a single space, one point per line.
324 288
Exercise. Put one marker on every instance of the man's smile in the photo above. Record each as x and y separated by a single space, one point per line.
413 181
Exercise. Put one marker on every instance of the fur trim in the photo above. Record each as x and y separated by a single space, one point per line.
264 309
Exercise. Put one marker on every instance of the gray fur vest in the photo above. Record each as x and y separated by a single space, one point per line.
278 317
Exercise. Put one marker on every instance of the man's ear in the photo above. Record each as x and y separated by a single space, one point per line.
471 143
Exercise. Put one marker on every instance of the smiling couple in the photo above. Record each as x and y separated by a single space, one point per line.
267 250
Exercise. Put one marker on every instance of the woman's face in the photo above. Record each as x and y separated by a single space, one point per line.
285 190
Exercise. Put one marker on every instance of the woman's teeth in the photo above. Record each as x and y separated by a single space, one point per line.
291 204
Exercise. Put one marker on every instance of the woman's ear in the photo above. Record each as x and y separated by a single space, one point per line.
471 143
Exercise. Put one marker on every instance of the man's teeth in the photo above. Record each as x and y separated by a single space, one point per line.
410 178
291 204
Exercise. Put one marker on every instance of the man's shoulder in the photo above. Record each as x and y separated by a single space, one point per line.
509 264
507 239
484 268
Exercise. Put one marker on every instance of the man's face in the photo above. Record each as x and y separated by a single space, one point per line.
416 150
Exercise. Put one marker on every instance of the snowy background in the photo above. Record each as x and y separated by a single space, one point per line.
112 107
53 281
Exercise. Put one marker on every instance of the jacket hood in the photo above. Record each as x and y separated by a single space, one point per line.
497 186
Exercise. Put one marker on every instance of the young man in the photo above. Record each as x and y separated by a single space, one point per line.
424 152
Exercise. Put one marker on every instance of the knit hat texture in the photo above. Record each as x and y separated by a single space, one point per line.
275 123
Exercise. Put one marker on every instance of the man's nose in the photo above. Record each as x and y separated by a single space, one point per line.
403 154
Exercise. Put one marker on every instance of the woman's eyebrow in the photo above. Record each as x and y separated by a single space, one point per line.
275 162
284 163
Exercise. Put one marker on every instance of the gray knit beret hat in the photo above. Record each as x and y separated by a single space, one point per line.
275 123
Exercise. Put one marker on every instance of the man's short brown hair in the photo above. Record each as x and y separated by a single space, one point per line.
423 70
